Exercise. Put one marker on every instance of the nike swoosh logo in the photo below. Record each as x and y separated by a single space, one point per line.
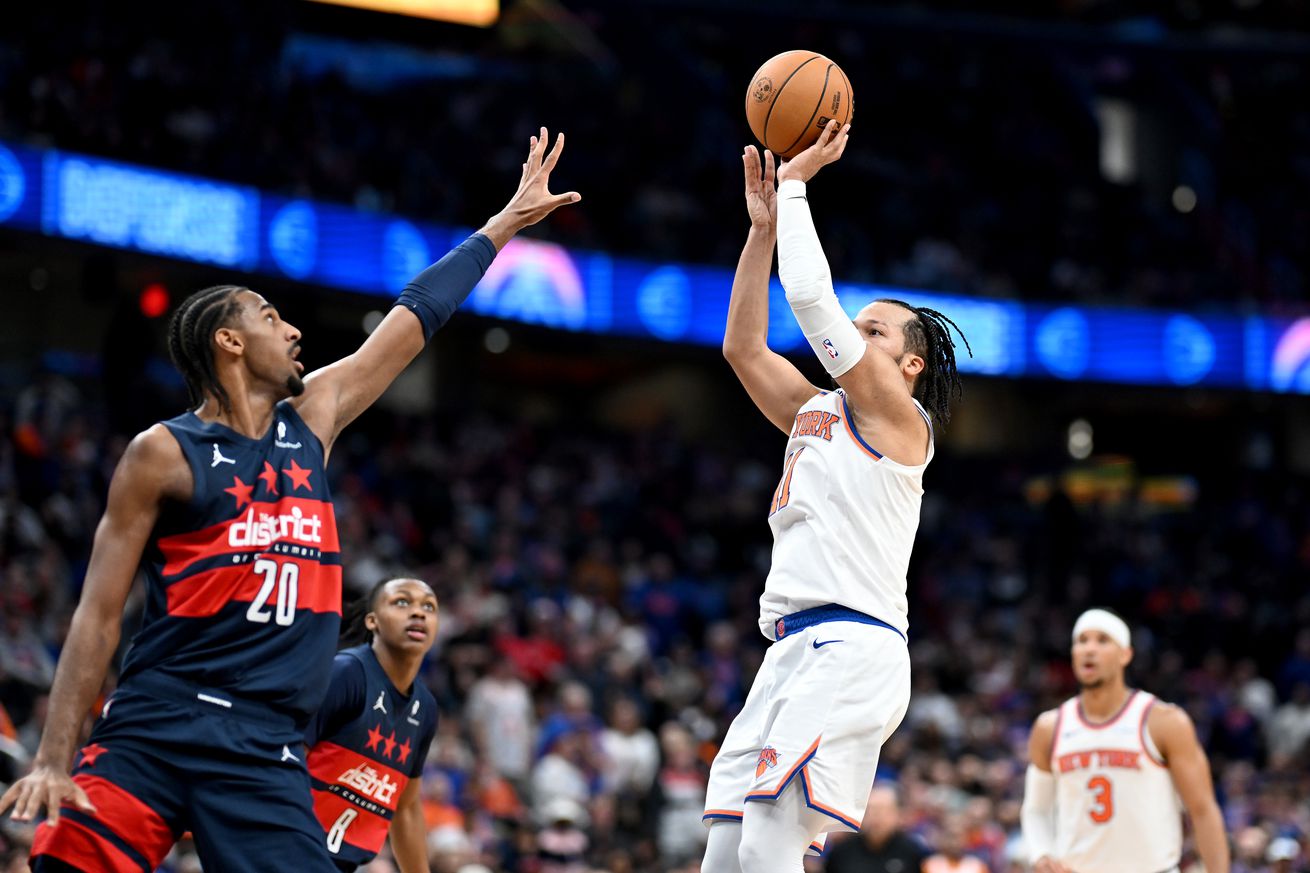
820 645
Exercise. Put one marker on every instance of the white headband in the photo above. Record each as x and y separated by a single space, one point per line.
1106 622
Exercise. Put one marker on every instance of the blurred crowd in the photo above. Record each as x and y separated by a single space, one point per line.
598 598
975 163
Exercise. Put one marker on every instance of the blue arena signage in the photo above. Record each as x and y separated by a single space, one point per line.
201 220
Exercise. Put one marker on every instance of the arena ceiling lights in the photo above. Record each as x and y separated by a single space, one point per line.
480 13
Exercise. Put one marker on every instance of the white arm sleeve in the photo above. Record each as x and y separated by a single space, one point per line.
807 280
1038 813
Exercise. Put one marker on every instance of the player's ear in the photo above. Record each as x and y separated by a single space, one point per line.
1127 657
229 341
912 365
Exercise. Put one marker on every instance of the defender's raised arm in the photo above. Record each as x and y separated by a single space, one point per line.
336 395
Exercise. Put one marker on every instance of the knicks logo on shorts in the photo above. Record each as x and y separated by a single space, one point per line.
767 761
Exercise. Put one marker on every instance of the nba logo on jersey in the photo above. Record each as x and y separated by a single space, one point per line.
767 761
830 348
281 441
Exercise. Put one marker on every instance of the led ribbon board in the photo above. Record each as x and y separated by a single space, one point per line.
204 221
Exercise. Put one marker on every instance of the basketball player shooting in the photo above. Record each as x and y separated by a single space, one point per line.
227 512
1109 767
799 759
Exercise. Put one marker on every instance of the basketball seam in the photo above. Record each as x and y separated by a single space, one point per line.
818 103
768 115
850 103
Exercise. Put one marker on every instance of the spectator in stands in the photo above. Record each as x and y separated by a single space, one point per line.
881 843
500 711
1289 728
631 755
950 856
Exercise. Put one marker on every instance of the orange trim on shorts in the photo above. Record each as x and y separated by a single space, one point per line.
816 847
782 783
827 810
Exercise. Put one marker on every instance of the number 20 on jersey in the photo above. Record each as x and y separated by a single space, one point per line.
286 580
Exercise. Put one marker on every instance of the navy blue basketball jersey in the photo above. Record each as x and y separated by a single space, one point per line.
365 744
243 582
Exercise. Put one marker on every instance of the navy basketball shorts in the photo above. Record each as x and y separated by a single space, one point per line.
166 758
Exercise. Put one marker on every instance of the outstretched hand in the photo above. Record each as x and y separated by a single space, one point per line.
761 190
44 787
532 201
827 149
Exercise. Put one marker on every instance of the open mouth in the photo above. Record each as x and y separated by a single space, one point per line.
417 632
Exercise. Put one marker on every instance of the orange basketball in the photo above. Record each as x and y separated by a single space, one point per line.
792 97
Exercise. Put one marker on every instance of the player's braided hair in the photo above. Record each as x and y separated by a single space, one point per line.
353 630
190 341
928 335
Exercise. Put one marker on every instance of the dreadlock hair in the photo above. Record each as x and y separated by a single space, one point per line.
353 630
927 335
190 341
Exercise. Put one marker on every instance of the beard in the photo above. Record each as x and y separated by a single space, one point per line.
1091 684
295 385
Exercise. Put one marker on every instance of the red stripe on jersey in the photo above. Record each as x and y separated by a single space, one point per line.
318 588
82 848
364 831
337 765
294 520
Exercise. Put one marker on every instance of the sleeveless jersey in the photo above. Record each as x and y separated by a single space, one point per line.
1116 809
843 519
365 744
243 581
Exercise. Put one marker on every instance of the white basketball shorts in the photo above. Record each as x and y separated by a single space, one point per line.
824 701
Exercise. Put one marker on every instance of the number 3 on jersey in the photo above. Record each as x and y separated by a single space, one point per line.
782 494
287 582
1102 799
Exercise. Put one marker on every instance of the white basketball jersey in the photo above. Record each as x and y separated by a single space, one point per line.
1116 809
843 520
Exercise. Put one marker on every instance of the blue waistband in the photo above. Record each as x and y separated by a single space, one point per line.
790 624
